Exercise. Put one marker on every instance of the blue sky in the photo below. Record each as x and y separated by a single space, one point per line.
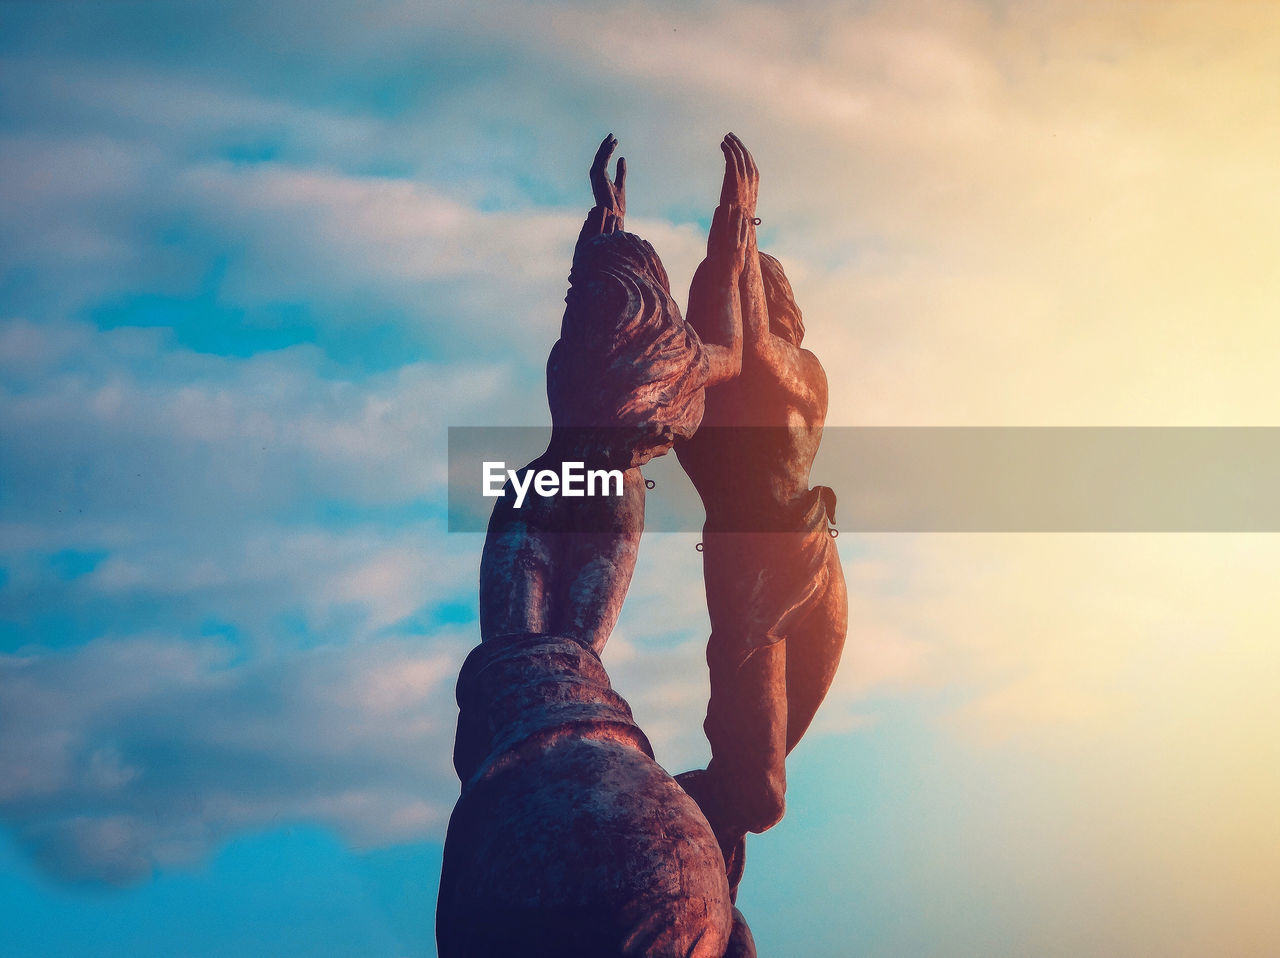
255 259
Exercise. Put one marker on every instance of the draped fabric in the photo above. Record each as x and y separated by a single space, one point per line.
568 838
535 688
625 357
762 584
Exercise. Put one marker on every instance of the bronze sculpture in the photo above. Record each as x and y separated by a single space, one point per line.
775 589
624 381
568 838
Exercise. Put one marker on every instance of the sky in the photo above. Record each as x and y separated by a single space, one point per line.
256 258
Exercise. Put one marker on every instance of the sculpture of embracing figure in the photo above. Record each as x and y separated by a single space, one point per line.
568 838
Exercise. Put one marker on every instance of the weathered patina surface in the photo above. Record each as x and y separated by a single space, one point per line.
568 838
775 589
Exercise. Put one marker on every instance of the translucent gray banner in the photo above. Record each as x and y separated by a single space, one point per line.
979 479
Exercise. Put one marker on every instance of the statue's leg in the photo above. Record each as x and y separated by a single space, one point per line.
760 588
814 646
754 597
516 569
743 788
600 560
746 726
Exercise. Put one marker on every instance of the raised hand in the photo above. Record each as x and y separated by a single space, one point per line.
728 240
609 195
741 178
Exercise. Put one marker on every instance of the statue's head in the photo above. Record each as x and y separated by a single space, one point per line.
785 320
626 360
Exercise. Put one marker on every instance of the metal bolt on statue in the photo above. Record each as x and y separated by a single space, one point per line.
568 839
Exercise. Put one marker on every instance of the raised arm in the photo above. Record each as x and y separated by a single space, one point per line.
742 188
714 306
796 370
755 308
610 195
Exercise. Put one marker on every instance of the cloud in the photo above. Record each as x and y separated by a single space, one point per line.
467 279
200 487
1061 641
122 420
991 214
996 215
131 754
252 492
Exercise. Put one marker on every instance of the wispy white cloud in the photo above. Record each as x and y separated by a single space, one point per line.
241 491
124 420
992 214
134 753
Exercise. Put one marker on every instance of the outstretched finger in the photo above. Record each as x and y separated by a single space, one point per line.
724 217
734 220
607 146
730 154
739 165
621 180
748 162
728 188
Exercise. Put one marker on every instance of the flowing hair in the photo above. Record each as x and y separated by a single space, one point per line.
625 357
785 319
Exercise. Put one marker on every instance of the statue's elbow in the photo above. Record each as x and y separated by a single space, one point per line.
726 363
733 359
